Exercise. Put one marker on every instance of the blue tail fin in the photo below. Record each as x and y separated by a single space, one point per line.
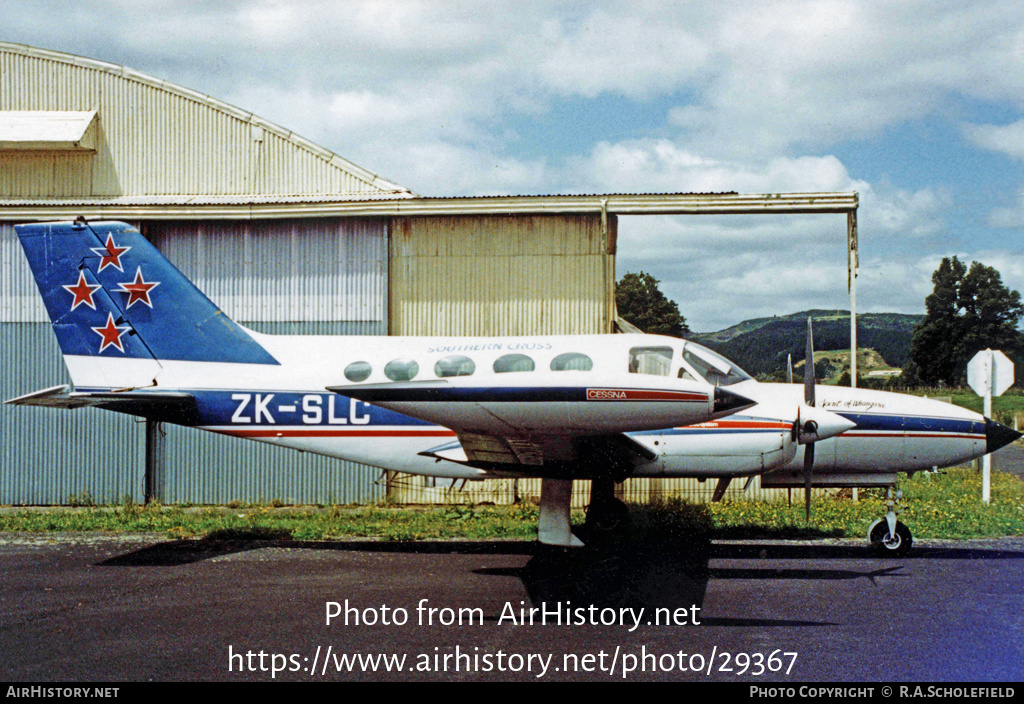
110 293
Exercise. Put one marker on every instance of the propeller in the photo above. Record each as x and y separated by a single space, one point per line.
813 424
810 426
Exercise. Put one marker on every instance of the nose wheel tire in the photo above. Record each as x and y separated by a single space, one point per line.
889 545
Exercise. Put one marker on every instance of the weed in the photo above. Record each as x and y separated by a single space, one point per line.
78 500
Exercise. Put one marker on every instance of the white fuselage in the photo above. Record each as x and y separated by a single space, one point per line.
656 390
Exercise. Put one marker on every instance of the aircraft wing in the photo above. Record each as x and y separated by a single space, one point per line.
565 423
493 451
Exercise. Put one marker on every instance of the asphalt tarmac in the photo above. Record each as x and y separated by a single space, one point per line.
90 608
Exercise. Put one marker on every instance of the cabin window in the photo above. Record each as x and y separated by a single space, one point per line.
513 363
455 365
572 362
358 371
401 369
650 360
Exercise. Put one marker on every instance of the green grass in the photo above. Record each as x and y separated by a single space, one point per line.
271 522
946 505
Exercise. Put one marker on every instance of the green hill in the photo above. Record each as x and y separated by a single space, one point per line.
761 345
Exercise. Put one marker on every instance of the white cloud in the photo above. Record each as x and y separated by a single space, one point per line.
805 74
636 50
1011 217
1006 139
466 170
889 211
661 165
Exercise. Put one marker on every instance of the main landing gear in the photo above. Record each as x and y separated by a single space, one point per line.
887 535
605 513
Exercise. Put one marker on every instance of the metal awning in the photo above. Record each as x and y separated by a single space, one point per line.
47 130
398 204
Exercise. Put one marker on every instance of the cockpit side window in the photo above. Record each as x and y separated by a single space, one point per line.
686 375
650 360
711 366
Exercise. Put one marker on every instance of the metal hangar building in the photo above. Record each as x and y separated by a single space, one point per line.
286 237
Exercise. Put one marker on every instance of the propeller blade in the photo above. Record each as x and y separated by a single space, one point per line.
809 380
808 464
809 384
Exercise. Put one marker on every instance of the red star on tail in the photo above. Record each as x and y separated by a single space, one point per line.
82 291
138 290
110 254
111 334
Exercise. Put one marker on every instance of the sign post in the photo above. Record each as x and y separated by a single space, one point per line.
989 373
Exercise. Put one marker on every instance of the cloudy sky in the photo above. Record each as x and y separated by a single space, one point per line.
918 106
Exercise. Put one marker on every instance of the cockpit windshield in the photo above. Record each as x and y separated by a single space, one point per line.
711 366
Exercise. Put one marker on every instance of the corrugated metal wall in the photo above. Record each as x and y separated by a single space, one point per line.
295 271
156 138
300 277
280 277
51 455
418 490
492 275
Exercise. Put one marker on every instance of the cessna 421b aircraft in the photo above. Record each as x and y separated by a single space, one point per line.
138 337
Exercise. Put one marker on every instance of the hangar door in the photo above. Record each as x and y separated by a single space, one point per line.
502 275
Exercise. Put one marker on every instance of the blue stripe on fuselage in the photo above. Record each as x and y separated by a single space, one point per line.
865 422
914 424
254 408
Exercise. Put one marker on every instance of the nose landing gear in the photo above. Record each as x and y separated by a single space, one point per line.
888 536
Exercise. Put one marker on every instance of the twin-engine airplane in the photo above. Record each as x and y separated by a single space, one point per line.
138 337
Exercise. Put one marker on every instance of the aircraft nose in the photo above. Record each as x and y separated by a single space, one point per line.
730 402
997 435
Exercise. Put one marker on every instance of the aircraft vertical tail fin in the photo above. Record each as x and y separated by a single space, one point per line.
120 309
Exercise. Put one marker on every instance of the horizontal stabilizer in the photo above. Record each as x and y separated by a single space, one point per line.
159 404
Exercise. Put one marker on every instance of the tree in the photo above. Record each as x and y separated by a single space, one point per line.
641 302
968 311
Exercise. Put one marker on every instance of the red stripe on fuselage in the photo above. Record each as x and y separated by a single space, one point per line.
331 432
726 424
607 394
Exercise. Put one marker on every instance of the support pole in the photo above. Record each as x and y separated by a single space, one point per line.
853 263
986 460
155 461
